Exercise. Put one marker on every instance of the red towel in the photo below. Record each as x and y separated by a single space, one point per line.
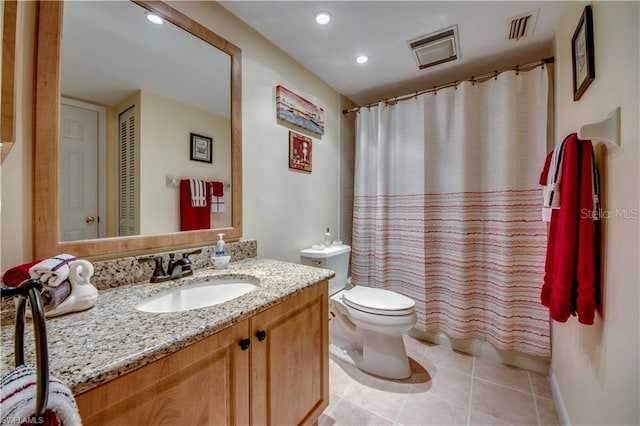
585 305
193 218
218 189
570 266
16 275
545 169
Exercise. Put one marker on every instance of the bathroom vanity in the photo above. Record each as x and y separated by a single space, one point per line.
261 358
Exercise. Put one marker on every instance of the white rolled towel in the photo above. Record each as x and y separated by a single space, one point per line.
83 294
19 398
52 271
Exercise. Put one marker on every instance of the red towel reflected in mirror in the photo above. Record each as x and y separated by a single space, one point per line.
193 218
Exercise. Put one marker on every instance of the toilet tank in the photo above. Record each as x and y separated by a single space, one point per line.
335 258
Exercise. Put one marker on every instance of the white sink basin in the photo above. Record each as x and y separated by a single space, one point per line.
199 295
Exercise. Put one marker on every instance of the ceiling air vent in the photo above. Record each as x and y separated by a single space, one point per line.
522 25
436 48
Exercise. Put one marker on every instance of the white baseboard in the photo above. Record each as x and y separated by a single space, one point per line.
563 415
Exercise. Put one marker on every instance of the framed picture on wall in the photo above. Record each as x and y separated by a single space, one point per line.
582 54
300 152
296 110
201 148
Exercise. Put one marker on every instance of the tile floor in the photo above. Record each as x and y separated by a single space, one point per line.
446 388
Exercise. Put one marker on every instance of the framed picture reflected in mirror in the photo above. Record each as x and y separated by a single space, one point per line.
201 148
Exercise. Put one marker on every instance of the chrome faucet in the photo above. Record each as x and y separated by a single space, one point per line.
181 267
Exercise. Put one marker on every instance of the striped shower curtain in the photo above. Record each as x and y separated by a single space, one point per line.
447 208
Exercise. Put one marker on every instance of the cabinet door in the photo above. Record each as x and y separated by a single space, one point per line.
206 383
289 367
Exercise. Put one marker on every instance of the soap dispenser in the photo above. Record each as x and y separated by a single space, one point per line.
327 238
221 257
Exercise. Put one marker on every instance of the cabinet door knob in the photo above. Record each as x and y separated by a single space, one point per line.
261 335
244 344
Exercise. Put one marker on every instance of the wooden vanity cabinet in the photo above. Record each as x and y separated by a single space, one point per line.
289 367
281 378
206 383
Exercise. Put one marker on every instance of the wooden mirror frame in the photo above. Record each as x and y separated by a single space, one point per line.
8 107
47 92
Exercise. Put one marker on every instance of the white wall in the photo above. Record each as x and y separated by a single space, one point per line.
171 123
596 367
284 210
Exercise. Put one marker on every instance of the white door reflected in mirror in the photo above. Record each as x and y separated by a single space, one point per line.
82 137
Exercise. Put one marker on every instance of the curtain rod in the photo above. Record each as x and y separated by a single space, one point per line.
473 79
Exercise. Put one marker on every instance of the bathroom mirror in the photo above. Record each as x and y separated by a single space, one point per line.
190 86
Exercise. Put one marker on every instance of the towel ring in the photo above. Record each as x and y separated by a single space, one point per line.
30 290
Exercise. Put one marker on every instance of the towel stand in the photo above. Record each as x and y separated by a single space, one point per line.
30 290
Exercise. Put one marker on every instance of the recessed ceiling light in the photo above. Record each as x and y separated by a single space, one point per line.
362 59
322 18
153 18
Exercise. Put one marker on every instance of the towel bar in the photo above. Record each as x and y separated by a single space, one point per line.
30 290
606 131
174 182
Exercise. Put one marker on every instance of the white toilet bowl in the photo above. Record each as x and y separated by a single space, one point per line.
366 330
367 323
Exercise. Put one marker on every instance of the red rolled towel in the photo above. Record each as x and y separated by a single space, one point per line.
217 189
15 276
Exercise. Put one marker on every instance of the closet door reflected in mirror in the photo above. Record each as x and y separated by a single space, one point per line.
107 191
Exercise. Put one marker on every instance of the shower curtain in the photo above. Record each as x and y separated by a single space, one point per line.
447 208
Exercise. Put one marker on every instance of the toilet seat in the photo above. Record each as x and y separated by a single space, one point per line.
378 301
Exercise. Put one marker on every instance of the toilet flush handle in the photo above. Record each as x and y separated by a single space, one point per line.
261 335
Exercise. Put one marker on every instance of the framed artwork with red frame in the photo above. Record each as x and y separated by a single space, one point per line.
300 147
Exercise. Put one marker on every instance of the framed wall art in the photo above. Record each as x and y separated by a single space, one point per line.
582 54
300 147
297 110
201 148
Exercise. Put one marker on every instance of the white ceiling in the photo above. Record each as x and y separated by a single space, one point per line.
381 29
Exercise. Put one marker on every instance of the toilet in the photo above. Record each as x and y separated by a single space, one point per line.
367 323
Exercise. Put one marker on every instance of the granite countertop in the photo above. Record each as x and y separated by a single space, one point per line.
89 348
